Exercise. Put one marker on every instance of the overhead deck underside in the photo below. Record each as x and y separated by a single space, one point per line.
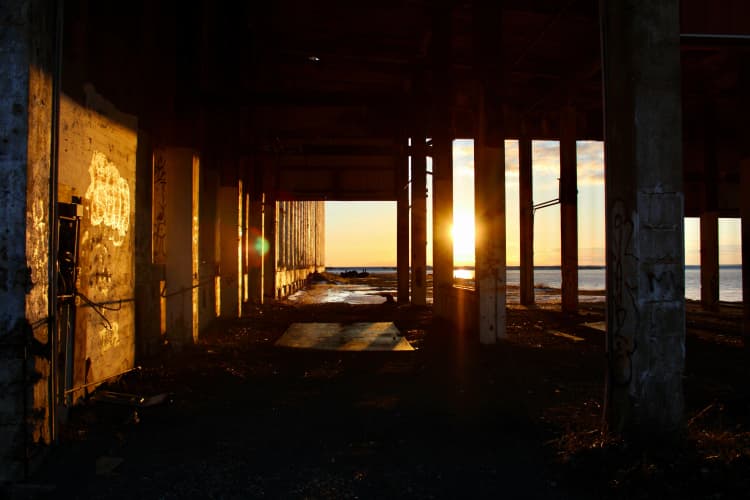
327 93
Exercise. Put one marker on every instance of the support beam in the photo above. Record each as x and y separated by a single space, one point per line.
228 207
402 224
489 176
147 277
208 259
709 223
745 225
320 216
442 167
418 220
568 211
246 244
182 245
526 223
442 217
270 229
27 294
257 244
644 218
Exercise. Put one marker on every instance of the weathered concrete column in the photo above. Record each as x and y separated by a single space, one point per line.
709 226
568 210
311 206
745 225
228 207
208 260
147 276
181 265
318 234
442 168
26 293
442 222
709 221
489 176
257 244
402 223
644 218
418 220
526 223
270 231
245 244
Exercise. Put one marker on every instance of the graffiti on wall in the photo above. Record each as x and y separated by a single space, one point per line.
109 336
109 195
100 275
159 222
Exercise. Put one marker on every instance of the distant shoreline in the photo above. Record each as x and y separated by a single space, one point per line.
516 268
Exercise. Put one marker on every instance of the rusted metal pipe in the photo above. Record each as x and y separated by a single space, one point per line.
78 388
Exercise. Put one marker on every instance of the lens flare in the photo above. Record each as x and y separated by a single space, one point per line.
261 245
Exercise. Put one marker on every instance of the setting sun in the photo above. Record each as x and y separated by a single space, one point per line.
463 238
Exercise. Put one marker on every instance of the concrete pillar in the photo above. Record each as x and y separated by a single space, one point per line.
26 293
298 214
208 258
246 246
709 227
270 218
310 234
310 243
568 211
181 265
442 168
745 242
709 221
285 236
229 205
257 245
281 235
526 222
147 277
418 220
489 176
321 235
402 223
644 218
442 210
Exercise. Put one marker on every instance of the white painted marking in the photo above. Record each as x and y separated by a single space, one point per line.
109 195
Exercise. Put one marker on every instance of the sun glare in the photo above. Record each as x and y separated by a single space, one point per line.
463 238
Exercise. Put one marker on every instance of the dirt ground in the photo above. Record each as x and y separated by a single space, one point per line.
246 419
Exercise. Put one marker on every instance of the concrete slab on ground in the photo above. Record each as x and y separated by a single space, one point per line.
380 336
597 325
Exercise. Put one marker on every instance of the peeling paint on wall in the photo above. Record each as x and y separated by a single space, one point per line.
38 250
109 195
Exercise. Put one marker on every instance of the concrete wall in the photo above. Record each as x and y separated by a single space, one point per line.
97 163
25 133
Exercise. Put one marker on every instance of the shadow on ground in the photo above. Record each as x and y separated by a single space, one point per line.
246 419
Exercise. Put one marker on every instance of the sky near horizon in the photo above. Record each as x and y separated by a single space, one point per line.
363 234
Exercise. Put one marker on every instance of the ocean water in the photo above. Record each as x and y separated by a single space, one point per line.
730 279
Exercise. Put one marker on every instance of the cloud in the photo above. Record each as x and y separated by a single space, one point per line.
545 157
590 162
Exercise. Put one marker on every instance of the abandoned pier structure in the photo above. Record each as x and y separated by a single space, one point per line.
165 163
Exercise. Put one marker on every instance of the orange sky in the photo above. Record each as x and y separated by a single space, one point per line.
362 234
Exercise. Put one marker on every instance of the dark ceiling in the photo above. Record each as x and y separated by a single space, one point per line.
337 83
